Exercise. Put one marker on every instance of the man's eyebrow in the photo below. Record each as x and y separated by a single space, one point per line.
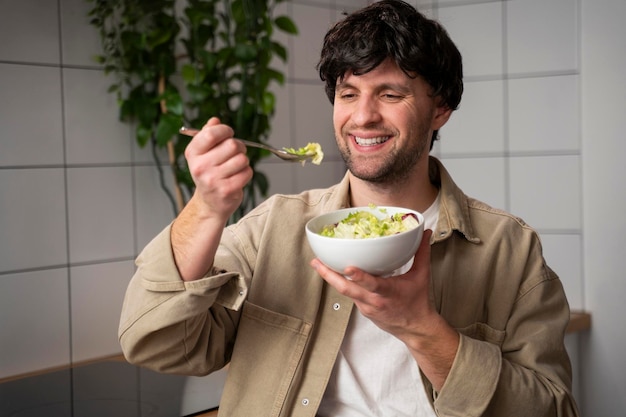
343 85
401 88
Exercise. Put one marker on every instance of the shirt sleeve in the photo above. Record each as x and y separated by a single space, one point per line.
528 372
174 326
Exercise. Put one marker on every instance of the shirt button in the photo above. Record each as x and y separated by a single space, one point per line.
305 401
336 306
241 292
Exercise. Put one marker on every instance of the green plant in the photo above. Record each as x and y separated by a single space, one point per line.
170 70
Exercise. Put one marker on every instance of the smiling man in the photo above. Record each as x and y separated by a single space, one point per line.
475 327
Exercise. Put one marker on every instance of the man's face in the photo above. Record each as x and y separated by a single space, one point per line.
384 122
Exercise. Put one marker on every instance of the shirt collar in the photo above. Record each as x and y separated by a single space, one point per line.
454 209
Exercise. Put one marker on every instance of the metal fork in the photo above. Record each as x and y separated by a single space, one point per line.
282 154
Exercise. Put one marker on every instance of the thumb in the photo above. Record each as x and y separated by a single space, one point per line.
213 121
423 251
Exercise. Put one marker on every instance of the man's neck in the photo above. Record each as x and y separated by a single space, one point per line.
416 192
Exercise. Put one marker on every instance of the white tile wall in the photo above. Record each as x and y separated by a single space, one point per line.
481 49
35 331
78 199
312 115
97 292
282 126
30 115
481 178
546 191
153 209
603 89
477 127
100 213
565 253
282 179
32 218
79 42
29 30
544 114
542 36
313 21
96 136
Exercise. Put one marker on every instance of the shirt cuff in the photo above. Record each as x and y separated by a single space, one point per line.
472 380
160 274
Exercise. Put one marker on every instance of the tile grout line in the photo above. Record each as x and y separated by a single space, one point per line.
506 131
66 198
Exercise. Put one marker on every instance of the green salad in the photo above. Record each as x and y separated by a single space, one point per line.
363 224
312 150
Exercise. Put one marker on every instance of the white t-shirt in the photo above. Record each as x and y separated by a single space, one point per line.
375 375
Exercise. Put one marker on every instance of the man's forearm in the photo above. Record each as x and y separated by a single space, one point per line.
195 239
435 354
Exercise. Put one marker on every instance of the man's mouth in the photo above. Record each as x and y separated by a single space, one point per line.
371 141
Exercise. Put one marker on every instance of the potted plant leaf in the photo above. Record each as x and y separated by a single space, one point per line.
174 68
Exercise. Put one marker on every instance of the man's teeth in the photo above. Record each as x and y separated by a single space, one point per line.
371 141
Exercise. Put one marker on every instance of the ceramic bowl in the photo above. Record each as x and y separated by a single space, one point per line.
377 255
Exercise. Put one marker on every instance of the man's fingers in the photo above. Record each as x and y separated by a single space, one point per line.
211 135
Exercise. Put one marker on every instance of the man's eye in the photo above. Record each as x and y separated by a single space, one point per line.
392 97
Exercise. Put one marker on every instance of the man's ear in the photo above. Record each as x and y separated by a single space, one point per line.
442 114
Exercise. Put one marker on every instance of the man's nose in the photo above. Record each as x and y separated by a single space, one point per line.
366 111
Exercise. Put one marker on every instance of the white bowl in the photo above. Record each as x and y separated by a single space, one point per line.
377 256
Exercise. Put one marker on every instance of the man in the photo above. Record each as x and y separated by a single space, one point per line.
474 328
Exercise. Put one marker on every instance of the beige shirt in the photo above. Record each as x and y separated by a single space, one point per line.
277 323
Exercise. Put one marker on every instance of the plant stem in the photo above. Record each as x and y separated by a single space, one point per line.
162 184
180 203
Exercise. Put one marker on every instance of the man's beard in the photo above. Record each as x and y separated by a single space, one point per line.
396 167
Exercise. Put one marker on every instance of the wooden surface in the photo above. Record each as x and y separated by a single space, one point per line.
207 414
579 321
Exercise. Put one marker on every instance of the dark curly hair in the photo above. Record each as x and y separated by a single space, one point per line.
393 29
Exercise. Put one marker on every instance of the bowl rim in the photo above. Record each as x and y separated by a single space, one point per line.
420 218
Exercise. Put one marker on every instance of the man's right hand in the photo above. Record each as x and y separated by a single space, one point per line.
219 167
220 170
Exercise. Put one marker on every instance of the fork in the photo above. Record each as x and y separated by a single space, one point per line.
282 154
